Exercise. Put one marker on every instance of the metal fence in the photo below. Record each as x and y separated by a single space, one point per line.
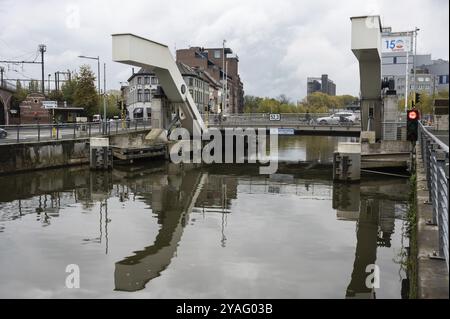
297 119
436 160
49 132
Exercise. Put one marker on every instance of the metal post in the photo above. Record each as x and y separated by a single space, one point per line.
406 79
223 76
104 91
18 128
39 132
414 62
42 49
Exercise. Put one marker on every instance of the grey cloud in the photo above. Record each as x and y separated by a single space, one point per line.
279 43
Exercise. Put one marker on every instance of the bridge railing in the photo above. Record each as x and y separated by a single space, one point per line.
11 134
435 157
7 85
297 119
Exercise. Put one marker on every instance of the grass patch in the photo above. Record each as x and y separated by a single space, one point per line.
412 234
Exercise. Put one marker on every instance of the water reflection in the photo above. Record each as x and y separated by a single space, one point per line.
372 205
172 200
176 196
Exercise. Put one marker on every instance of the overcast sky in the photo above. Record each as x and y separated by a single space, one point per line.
279 43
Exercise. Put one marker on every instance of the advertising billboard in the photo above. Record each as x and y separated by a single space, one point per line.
396 44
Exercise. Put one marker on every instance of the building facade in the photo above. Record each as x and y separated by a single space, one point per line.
219 65
432 76
138 93
322 84
144 85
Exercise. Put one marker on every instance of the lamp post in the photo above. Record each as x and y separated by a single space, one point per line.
223 76
48 82
98 72
414 62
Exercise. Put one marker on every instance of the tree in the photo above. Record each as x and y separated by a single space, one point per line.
56 96
85 94
283 99
68 90
19 96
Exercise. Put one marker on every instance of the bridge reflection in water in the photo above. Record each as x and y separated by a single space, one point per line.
371 205
175 194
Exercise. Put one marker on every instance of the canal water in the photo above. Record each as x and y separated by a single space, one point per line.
223 231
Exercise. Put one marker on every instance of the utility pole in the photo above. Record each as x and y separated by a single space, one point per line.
414 65
407 76
1 78
42 49
104 94
223 76
48 82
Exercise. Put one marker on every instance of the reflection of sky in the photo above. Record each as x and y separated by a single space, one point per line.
282 241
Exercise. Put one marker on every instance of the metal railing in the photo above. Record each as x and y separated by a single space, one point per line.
7 85
64 131
297 119
436 161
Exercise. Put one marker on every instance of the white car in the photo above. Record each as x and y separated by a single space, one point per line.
338 118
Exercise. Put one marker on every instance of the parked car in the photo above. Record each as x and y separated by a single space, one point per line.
3 133
338 118
96 118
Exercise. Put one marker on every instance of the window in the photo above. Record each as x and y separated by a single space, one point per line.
139 79
217 54
138 113
146 95
191 81
395 60
139 95
147 80
154 80
443 79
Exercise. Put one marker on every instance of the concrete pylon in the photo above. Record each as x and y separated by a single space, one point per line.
133 50
366 45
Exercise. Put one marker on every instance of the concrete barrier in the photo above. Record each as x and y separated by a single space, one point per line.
39 155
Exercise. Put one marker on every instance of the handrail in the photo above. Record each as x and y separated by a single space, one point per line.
441 144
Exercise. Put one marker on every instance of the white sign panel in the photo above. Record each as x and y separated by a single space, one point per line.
396 44
275 117
49 104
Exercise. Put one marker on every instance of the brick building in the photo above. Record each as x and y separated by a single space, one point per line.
36 109
211 61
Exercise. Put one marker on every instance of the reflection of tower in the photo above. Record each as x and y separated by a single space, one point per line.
172 200
387 223
375 224
366 249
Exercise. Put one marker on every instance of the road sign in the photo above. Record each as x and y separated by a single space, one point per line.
275 117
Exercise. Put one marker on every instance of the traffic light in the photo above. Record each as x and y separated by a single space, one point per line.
417 98
412 124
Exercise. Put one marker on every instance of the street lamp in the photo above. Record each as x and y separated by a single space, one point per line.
98 73
414 61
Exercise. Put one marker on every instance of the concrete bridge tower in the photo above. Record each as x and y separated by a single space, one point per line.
366 45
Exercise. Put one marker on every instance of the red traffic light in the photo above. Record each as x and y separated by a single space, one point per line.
413 115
